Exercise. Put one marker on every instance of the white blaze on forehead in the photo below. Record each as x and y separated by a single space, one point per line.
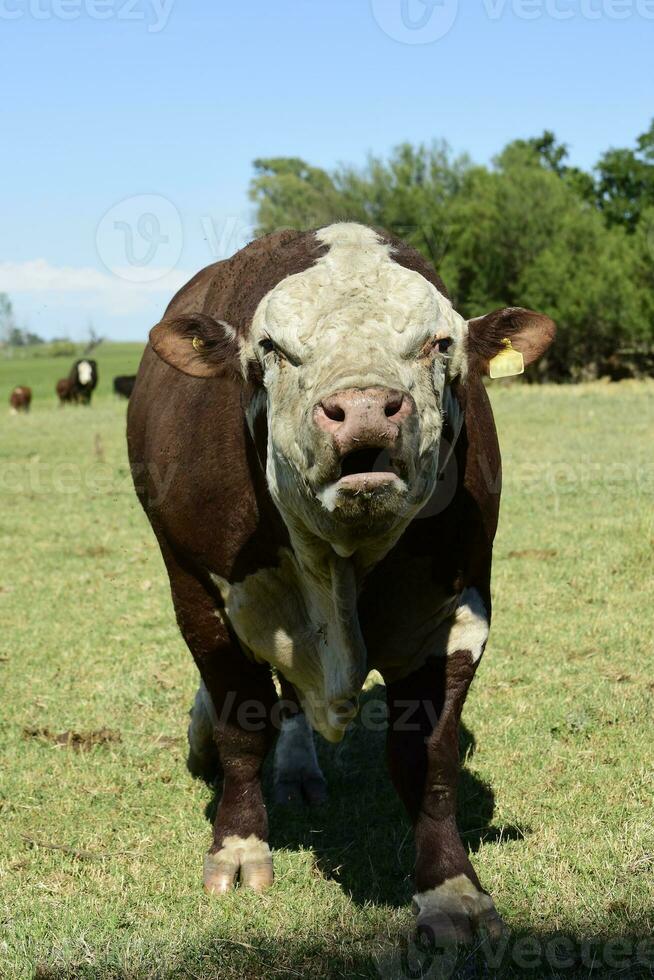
356 300
84 372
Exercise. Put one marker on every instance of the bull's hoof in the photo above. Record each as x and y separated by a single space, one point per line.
311 789
246 860
452 913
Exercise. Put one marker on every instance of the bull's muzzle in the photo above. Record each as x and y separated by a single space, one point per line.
364 418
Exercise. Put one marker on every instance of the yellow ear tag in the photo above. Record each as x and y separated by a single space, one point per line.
507 363
198 343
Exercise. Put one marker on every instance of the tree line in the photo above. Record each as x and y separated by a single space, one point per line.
528 230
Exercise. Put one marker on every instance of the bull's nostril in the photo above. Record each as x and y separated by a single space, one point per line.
393 406
333 412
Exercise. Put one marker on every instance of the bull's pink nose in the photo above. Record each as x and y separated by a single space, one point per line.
363 415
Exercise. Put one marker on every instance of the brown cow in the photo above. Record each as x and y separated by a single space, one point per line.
291 417
64 389
20 399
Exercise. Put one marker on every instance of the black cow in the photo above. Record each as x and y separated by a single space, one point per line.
124 384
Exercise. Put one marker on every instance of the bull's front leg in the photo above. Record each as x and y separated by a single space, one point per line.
243 698
232 728
424 714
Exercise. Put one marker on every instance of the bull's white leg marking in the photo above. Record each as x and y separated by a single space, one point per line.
296 763
450 910
469 629
249 858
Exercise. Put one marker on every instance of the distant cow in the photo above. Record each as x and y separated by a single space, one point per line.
20 399
84 378
64 389
299 402
80 383
124 384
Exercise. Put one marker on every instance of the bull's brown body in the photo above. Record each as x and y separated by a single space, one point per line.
199 474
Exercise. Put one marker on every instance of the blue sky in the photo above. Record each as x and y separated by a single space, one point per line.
129 126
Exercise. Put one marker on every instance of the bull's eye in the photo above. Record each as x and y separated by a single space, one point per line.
267 346
443 345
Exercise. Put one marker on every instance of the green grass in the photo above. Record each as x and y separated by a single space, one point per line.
102 841
32 367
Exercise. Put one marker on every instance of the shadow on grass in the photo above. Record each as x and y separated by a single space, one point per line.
622 954
361 837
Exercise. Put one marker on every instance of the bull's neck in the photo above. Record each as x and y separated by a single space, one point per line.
321 560
333 583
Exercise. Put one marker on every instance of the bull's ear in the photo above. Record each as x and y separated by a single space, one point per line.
509 330
197 344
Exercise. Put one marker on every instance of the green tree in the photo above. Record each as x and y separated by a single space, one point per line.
407 195
291 194
625 182
528 230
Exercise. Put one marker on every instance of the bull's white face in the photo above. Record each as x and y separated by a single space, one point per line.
355 322
84 372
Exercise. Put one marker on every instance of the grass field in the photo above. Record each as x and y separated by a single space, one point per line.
103 830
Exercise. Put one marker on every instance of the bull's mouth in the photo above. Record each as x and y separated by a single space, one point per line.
369 468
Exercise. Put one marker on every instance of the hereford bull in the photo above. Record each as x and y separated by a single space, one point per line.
298 401
83 379
20 399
